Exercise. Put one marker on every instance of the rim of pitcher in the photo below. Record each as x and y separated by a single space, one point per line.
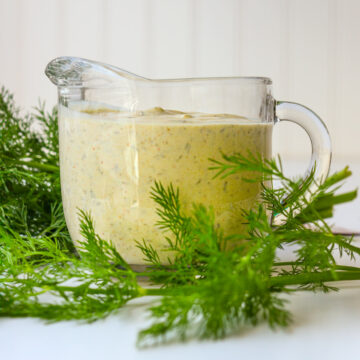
262 79
256 80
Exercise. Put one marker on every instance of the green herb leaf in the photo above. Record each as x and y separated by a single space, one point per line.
216 284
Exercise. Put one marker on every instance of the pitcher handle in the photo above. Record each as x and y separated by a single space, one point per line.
320 143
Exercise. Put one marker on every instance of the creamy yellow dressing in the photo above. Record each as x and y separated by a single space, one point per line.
109 161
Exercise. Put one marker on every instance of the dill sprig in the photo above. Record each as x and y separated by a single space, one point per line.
205 291
30 197
88 286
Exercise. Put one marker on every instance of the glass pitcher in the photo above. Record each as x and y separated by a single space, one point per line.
119 133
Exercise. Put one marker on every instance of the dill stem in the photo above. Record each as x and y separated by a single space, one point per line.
348 246
39 166
308 278
36 165
347 268
163 291
337 267
349 273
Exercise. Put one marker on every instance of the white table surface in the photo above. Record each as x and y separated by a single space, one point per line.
326 326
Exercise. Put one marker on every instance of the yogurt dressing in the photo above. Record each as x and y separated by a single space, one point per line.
110 159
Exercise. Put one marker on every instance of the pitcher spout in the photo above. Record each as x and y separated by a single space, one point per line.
68 71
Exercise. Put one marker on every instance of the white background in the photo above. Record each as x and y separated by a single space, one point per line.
310 48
